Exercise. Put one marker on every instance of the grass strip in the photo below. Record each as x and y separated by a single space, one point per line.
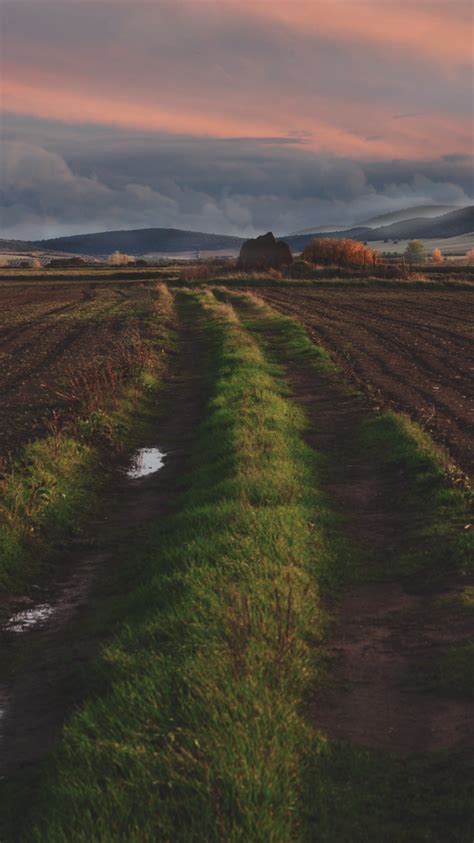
354 794
196 733
53 482
435 489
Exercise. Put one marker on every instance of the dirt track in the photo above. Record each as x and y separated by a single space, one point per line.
386 633
391 630
41 668
411 350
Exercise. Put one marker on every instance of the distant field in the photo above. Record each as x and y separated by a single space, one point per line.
411 349
449 246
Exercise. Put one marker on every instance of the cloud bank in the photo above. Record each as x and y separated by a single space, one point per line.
232 116
339 70
57 183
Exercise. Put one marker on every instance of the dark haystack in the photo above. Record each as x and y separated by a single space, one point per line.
264 252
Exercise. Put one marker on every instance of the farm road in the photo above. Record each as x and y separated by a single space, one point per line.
40 669
385 632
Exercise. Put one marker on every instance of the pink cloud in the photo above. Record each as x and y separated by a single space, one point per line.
184 72
437 31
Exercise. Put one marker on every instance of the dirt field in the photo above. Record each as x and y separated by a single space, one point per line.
46 334
411 350
309 547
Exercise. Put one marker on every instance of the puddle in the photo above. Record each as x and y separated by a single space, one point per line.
22 621
145 461
71 596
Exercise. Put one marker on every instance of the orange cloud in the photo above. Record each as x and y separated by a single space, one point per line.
413 138
188 72
43 99
439 32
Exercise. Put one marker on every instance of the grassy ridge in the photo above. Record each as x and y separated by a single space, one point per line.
196 733
53 481
357 795
394 442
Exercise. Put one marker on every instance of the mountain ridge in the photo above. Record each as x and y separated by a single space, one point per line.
451 224
162 240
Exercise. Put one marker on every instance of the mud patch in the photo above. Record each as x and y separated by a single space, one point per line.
47 644
384 640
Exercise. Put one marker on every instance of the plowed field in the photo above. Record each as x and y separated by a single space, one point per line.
48 333
411 350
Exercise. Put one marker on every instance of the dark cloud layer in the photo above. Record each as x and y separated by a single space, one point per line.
233 116
60 180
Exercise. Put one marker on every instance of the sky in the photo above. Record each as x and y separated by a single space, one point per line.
231 116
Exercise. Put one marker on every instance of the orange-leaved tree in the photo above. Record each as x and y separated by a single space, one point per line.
328 251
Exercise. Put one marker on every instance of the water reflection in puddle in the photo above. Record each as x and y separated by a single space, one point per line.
145 461
22 621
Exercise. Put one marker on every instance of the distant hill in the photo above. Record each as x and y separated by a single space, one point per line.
140 242
448 225
173 240
17 246
417 212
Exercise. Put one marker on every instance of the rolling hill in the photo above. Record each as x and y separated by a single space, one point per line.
416 212
173 240
140 242
452 224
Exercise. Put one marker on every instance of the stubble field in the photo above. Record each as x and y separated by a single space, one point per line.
264 634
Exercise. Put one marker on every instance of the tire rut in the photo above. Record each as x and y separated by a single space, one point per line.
384 633
40 668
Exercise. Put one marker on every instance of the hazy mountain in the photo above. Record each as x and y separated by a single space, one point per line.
417 212
140 241
448 225
149 240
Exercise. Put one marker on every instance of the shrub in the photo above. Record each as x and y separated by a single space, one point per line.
415 252
328 251
470 256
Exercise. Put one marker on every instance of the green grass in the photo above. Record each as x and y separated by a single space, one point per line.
356 795
195 728
441 545
52 484
53 481
196 732
433 487
325 280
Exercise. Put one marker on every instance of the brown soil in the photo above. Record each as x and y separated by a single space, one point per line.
40 668
386 635
44 333
411 350
385 639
